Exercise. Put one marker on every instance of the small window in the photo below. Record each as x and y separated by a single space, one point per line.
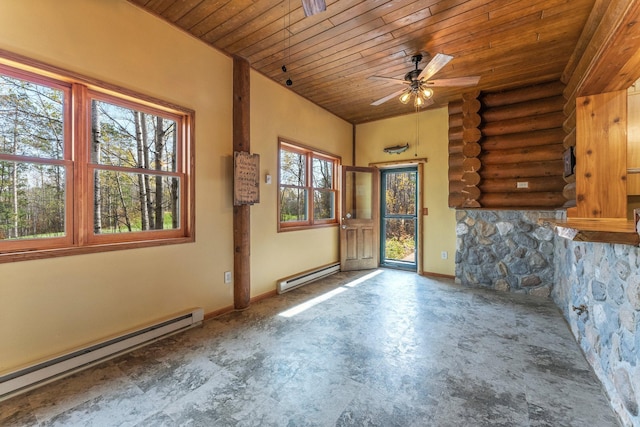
307 187
86 169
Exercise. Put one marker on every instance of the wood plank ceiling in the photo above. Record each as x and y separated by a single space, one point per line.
331 55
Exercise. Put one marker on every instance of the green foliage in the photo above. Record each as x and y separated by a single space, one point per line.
400 208
133 156
32 201
399 248
400 193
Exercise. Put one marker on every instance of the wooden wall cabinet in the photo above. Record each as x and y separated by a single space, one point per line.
633 141
601 153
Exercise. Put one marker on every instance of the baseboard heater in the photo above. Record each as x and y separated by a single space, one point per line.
38 374
305 277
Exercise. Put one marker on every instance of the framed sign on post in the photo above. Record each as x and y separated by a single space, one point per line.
246 178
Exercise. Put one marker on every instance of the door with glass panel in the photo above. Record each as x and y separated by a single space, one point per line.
359 238
398 218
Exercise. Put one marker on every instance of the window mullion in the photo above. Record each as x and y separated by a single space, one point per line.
81 187
310 187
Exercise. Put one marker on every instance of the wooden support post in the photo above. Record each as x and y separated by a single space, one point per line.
241 214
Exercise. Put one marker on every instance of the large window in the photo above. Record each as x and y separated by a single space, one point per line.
83 168
307 187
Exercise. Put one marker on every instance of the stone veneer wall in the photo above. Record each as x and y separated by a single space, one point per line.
506 250
511 251
605 280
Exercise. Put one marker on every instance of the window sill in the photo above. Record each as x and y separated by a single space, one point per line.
29 255
282 229
606 230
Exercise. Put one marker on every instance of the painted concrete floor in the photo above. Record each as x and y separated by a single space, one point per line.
376 348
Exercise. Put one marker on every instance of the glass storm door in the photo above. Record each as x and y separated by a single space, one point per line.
399 219
359 238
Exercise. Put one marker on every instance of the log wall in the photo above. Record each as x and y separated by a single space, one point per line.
464 148
506 149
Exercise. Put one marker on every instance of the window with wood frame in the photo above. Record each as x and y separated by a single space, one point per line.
307 187
86 168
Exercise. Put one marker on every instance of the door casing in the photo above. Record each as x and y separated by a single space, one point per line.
417 217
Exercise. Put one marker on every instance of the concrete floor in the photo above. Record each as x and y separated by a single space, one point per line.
376 348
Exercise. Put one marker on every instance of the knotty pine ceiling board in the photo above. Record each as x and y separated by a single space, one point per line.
331 55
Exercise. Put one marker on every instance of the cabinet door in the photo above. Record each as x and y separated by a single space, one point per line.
633 144
601 155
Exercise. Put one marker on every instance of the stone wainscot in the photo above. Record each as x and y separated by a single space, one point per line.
506 250
595 285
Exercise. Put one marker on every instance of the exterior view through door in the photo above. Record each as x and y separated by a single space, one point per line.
398 218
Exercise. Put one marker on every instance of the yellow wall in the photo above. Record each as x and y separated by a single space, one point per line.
280 113
439 225
50 306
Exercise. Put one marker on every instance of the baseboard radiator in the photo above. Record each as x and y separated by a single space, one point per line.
27 378
305 277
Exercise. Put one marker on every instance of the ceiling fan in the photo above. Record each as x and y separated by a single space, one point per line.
311 7
418 83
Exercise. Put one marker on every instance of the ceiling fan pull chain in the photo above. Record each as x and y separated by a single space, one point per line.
417 131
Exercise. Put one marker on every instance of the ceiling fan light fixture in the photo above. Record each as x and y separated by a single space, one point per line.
427 92
418 83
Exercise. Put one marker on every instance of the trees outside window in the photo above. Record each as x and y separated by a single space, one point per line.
136 182
81 169
35 167
307 187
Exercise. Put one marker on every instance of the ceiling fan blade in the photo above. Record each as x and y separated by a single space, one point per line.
428 102
389 79
388 97
311 7
435 65
456 81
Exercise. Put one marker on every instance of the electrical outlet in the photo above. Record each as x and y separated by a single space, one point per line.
444 255
227 277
